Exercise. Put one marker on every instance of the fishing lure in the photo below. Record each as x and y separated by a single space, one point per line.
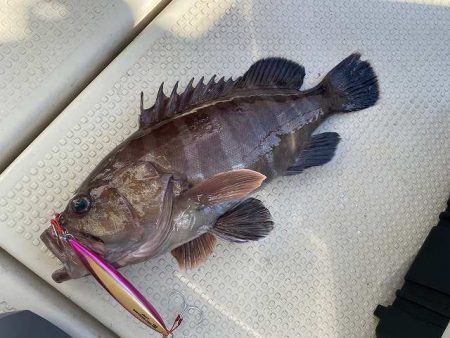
116 284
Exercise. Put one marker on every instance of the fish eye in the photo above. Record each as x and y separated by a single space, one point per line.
81 204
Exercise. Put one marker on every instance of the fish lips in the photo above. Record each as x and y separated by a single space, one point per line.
60 251
73 267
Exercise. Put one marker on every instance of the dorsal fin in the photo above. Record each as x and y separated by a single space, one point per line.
274 73
166 107
266 73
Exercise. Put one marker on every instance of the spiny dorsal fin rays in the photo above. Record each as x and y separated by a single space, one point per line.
211 80
187 94
198 90
159 106
173 100
266 73
218 88
166 107
229 84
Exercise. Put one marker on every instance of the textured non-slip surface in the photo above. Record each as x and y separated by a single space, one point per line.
23 290
345 233
48 49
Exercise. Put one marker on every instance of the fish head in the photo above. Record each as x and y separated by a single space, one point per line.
111 215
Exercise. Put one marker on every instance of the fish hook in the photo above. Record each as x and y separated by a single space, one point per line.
184 309
58 230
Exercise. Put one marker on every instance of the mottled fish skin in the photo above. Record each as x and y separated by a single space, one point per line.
244 132
261 122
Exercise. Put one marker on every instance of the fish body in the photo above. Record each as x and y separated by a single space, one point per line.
184 177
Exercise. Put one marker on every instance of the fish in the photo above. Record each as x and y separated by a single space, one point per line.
187 176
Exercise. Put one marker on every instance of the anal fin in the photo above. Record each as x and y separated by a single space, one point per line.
320 151
195 252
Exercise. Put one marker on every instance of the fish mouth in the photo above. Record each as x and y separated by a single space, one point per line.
60 250
73 268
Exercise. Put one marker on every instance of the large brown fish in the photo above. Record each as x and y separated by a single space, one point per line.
184 177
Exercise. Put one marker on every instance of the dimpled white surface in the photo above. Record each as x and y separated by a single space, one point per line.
345 232
23 290
48 50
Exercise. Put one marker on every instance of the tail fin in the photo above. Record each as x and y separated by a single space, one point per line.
351 85
249 220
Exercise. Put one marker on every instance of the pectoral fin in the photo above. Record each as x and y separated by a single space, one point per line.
227 186
195 252
249 220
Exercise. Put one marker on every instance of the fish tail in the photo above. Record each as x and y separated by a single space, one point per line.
351 85
249 220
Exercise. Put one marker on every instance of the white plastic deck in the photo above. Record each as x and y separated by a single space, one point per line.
23 290
345 233
48 50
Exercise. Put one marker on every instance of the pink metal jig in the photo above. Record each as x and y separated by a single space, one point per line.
116 284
